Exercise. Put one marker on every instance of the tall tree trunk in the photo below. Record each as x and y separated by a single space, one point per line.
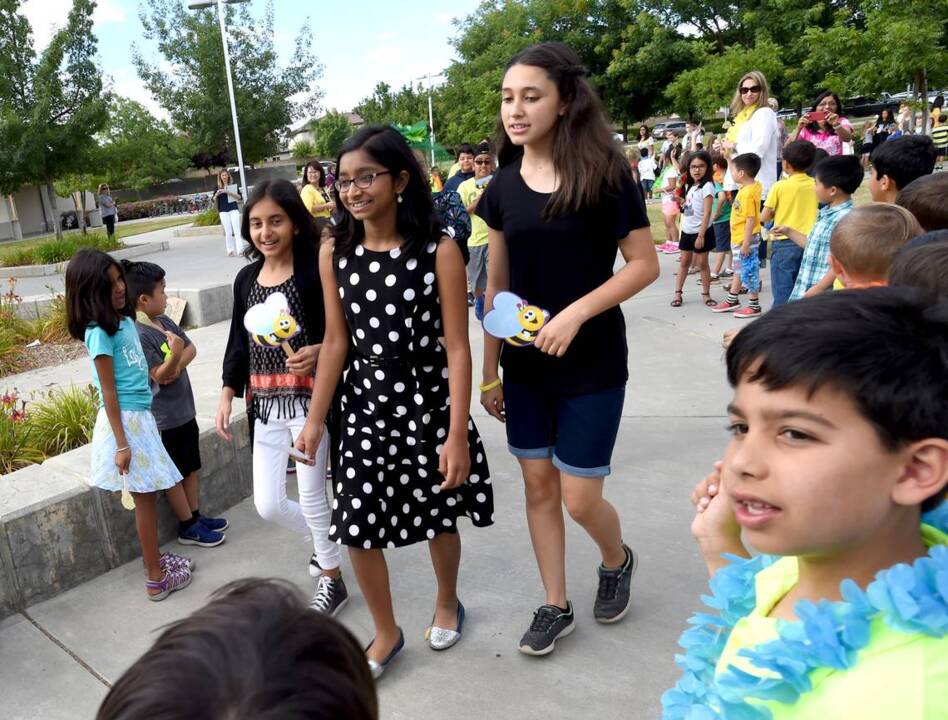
79 200
14 218
51 196
921 82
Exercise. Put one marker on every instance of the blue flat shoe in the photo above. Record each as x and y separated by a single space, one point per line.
379 668
441 638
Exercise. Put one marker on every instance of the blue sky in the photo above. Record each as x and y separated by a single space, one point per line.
358 43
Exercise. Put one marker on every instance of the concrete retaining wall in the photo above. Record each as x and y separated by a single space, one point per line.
57 532
59 268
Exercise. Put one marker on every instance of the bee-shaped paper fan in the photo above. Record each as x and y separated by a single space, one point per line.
270 323
514 319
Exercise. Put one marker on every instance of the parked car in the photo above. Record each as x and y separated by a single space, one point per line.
676 126
786 113
862 106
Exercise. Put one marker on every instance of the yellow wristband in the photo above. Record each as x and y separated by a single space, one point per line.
486 387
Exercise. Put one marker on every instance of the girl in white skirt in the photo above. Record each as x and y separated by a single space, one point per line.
127 453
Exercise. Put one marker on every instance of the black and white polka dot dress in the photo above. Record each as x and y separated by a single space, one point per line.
395 409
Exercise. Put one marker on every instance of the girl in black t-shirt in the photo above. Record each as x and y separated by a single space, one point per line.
560 206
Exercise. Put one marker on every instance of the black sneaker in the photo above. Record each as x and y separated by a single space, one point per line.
549 624
614 597
330 597
314 569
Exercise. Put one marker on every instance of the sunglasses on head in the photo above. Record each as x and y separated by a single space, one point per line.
750 89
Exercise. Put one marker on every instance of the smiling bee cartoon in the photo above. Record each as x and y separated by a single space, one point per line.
270 323
515 320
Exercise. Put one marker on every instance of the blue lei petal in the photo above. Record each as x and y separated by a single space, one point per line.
909 598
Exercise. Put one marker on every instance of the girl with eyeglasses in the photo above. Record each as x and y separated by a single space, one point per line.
411 463
559 210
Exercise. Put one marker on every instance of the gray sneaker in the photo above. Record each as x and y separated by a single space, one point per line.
549 624
614 597
330 597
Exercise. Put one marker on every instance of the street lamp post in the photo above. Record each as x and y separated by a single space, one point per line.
431 132
198 5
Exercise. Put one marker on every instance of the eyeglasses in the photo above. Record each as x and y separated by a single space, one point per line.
750 89
482 162
363 181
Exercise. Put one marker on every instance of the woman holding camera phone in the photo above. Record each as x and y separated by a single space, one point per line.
824 125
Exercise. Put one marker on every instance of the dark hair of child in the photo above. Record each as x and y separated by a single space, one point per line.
923 266
718 160
284 194
708 176
321 223
318 167
800 154
416 220
904 159
865 241
748 162
89 293
645 152
141 278
841 171
850 341
254 651
586 156
926 198
465 149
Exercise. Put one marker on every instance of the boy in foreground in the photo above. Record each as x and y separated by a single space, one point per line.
833 460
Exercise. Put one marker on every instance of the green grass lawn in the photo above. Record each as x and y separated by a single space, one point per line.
121 231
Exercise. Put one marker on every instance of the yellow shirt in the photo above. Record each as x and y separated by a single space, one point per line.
313 196
453 171
794 203
469 192
746 205
899 676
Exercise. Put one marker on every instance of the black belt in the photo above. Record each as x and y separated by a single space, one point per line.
381 361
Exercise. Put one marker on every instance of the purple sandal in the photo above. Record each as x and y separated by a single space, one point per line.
174 579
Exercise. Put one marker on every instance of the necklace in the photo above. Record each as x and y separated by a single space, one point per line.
910 598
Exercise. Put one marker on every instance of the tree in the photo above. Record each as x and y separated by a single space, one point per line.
50 106
304 150
139 149
194 92
403 107
330 132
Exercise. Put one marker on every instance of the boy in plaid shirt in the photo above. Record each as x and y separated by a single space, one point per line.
837 178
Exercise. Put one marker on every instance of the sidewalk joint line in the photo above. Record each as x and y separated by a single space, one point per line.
56 641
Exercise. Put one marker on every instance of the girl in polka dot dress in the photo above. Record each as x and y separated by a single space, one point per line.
411 461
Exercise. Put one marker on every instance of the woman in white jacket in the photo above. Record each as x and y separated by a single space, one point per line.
754 130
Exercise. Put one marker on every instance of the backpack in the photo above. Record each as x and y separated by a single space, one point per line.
454 218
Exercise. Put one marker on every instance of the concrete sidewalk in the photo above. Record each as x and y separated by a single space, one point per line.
57 658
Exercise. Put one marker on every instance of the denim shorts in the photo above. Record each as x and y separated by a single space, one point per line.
578 431
722 236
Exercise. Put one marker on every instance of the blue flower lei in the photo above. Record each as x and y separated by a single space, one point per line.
911 599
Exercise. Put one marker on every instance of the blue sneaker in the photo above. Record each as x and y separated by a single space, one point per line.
215 524
479 308
199 534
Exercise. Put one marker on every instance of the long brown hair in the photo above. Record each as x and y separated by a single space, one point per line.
586 157
220 184
758 77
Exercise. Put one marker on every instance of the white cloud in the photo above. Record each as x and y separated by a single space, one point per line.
443 18
46 16
386 36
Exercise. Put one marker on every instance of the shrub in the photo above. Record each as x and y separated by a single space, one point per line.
16 448
57 251
54 327
208 218
16 257
63 420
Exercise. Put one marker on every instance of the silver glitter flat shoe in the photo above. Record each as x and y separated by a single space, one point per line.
440 638
378 669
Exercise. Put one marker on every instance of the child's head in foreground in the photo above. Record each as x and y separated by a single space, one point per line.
95 293
146 286
837 178
864 242
923 263
927 199
254 651
839 420
896 163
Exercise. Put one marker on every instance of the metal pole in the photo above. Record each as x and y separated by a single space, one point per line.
431 136
233 103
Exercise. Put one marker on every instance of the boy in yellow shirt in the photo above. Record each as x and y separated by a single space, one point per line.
836 473
470 191
792 203
745 238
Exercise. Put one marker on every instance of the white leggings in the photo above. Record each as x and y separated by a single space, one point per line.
311 516
231 222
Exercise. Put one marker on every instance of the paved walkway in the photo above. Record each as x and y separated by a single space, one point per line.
56 659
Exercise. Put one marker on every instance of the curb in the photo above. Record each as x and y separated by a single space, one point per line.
59 268
208 231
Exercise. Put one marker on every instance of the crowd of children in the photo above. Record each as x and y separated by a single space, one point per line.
356 330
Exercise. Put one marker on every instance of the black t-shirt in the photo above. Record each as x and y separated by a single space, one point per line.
555 262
